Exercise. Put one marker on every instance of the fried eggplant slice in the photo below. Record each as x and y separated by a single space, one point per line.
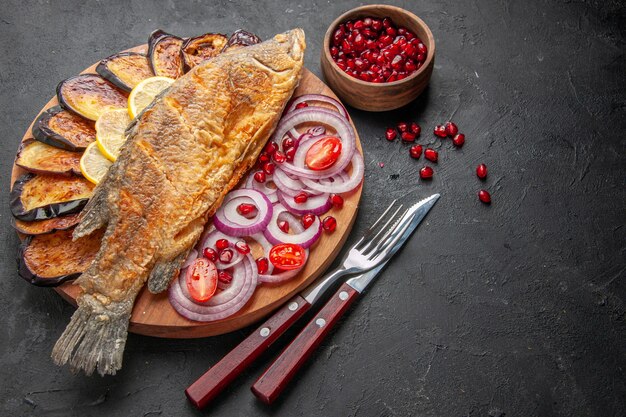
125 70
64 129
90 95
200 48
37 157
164 54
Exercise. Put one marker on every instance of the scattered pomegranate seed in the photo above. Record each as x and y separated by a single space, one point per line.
459 140
415 151
210 254
307 220
245 209
440 131
329 224
290 153
381 164
301 198
426 173
224 277
408 136
242 247
271 147
259 176
451 129
391 134
336 200
415 129
226 255
481 171
288 143
431 155
484 196
302 105
263 158
279 157
262 264
284 226
269 168
222 244
403 126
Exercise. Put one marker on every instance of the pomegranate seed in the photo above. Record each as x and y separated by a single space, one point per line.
367 21
301 198
415 128
408 136
421 48
416 151
269 168
440 131
259 176
421 58
359 24
387 22
359 42
246 209
262 264
334 51
350 63
329 224
287 143
377 24
346 47
210 254
290 153
397 63
338 35
391 31
302 105
224 277
402 30
284 226
307 220
385 40
263 158
426 173
279 157
481 171
403 126
242 247
451 129
484 196
336 200
226 255
271 147
361 64
222 244
459 140
431 154
391 134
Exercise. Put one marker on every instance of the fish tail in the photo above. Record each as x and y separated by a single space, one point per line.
95 337
163 272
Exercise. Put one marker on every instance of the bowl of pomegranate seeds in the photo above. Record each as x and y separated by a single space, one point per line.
378 57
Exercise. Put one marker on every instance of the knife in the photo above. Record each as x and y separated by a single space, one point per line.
212 382
276 378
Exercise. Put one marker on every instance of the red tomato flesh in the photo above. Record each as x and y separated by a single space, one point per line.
287 256
324 153
201 279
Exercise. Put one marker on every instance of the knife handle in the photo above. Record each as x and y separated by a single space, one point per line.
275 379
209 385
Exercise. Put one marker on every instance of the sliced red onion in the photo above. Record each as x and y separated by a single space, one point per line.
342 127
341 182
193 255
308 98
306 238
267 247
316 131
223 304
266 187
289 185
209 242
316 204
229 221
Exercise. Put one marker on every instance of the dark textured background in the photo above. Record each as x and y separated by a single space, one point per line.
516 308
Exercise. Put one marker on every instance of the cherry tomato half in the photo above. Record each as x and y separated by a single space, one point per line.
287 256
324 153
201 279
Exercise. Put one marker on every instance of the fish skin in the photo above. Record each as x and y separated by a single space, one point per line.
182 156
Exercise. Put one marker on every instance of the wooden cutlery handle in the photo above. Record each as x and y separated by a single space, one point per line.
209 385
269 386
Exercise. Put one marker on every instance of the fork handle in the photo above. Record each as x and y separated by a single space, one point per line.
275 379
209 385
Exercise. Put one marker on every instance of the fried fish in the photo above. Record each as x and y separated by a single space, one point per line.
182 155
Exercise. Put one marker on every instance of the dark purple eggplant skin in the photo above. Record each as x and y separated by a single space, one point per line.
157 36
241 38
103 70
24 271
42 132
40 213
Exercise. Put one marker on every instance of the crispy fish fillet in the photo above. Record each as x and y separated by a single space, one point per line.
184 153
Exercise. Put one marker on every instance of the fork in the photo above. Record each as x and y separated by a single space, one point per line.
371 250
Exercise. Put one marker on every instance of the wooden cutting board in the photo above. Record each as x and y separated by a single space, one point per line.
154 316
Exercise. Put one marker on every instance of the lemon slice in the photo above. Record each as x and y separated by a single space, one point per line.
93 164
110 128
143 94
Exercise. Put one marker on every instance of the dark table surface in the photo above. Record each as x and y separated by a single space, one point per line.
512 309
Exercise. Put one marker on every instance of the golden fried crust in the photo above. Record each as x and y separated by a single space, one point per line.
183 155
